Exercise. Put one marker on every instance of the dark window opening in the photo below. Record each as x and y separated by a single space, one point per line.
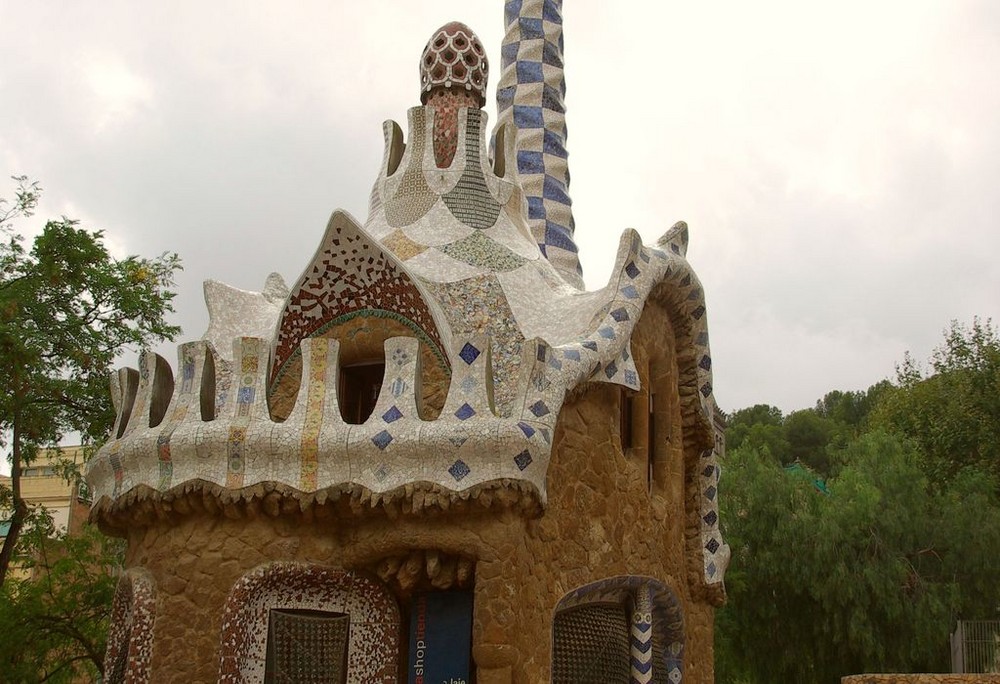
625 429
359 388
651 443
307 646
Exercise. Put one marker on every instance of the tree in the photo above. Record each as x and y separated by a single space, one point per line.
761 426
67 308
867 578
60 614
953 411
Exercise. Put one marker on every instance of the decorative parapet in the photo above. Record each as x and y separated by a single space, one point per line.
239 452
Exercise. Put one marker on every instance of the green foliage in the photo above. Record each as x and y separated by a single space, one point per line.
866 579
67 309
872 575
952 412
56 621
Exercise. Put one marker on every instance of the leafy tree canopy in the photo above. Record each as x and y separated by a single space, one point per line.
67 308
951 410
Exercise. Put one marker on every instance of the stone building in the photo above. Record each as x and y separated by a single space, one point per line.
435 457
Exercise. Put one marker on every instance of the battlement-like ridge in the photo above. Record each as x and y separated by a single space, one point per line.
171 434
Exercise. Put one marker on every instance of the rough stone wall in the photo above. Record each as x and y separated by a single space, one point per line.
603 519
922 679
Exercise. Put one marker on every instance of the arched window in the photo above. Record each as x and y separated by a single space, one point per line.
360 384
621 629
310 619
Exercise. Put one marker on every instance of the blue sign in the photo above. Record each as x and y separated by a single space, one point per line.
440 638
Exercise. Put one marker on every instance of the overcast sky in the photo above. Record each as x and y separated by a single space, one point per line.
838 163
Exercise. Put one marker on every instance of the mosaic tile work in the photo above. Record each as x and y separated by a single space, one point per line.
314 450
408 198
471 201
446 104
479 250
656 629
130 639
454 58
373 650
477 306
349 273
530 94
233 312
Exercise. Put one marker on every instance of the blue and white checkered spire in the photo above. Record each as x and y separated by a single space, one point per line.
530 95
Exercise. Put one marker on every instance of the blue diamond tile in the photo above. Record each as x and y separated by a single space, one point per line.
711 518
711 573
526 429
632 269
644 256
708 471
469 353
464 412
382 439
630 292
607 333
630 377
706 362
698 313
468 384
382 472
659 254
523 459
710 493
539 409
546 435
540 353
620 314
571 354
555 363
245 395
610 370
392 415
712 546
590 344
459 469
706 389
458 441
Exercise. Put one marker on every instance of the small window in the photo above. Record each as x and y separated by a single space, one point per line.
625 429
359 388
306 646
651 443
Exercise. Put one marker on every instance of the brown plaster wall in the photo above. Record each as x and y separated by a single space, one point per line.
602 520
922 679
